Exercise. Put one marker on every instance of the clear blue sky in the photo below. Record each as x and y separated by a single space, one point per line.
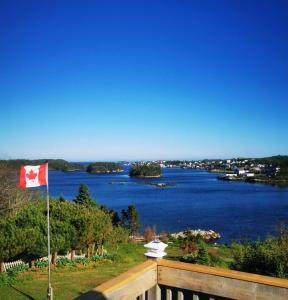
111 80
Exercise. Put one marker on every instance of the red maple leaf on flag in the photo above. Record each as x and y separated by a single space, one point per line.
31 175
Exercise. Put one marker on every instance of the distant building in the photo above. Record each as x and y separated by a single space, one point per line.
249 174
231 175
240 172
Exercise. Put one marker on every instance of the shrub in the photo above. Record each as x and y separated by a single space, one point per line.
163 237
17 269
203 257
188 258
82 261
96 258
267 257
109 256
41 263
195 251
149 234
63 261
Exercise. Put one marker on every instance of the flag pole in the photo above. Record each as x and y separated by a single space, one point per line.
49 290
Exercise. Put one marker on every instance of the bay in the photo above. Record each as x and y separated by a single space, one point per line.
237 210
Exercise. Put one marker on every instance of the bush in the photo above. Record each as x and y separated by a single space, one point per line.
82 261
109 256
41 263
96 258
63 262
17 269
149 234
195 251
203 257
188 258
267 257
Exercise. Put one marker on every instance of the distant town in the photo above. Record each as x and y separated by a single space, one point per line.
268 170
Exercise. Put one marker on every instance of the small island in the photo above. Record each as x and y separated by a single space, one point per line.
104 167
145 171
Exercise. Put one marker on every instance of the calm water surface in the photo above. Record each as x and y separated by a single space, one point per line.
235 209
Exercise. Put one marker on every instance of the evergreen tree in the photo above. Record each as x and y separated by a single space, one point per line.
84 197
61 198
116 221
130 219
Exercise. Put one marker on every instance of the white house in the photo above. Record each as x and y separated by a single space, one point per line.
249 174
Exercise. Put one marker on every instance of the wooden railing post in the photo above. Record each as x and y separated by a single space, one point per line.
154 293
168 294
180 295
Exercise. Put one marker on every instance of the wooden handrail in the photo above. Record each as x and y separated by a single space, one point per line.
121 280
146 277
272 281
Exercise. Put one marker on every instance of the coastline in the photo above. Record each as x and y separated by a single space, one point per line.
140 177
272 182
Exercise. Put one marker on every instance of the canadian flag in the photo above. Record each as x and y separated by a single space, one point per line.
32 176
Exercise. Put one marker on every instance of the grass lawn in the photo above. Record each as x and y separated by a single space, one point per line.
70 282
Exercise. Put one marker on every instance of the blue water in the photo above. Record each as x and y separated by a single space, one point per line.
234 209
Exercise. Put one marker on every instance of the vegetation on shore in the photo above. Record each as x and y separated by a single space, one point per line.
268 257
104 167
145 171
54 164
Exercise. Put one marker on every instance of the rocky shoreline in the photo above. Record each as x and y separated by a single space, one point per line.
207 235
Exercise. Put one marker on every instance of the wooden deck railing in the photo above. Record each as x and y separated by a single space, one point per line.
139 282
169 280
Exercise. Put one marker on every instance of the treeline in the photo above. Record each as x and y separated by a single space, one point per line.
63 165
78 225
280 161
54 164
145 171
104 167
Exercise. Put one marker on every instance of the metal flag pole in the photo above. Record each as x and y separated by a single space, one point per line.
49 290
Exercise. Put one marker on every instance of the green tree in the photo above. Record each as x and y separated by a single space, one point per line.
85 229
145 171
116 221
62 233
102 227
117 236
33 219
84 197
130 219
13 240
61 198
